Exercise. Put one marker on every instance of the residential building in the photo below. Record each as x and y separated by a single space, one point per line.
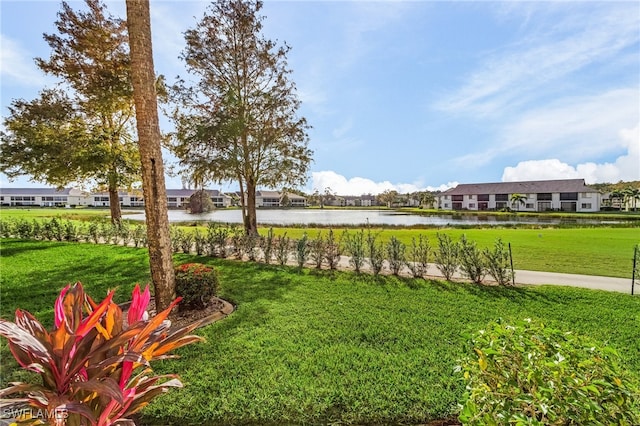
566 195
44 197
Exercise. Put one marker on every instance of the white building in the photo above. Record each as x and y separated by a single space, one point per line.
571 195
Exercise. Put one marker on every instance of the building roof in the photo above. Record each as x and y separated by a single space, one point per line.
268 194
525 187
39 191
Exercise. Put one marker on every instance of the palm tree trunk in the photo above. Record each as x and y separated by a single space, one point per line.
153 184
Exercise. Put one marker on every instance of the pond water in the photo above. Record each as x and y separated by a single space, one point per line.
353 217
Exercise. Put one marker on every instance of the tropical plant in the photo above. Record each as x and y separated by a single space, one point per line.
196 284
317 249
302 250
282 244
266 243
333 249
517 200
375 250
95 367
529 374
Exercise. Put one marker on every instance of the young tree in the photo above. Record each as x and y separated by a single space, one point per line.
84 133
153 184
388 197
239 122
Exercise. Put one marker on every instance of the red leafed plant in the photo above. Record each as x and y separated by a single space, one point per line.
95 368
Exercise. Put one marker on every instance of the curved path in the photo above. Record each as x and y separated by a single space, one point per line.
621 285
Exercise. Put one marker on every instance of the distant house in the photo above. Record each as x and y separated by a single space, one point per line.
570 195
367 200
43 197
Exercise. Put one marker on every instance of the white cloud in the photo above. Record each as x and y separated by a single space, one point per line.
16 64
625 167
519 73
359 185
574 129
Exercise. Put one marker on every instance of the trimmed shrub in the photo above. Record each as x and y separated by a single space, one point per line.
302 250
447 256
375 251
529 374
317 250
266 243
472 263
396 254
333 249
419 256
498 264
200 242
282 245
355 246
196 284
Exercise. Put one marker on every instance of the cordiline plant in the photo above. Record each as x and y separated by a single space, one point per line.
95 367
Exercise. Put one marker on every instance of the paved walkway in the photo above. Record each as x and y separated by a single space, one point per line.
621 285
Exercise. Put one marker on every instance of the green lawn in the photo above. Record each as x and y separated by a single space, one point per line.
316 347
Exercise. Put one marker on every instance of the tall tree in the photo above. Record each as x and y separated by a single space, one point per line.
388 197
153 184
238 121
82 131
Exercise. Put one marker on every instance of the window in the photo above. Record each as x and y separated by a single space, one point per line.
586 205
501 205
586 195
446 197
483 197
471 197
472 205
544 196
99 199
172 199
446 205
568 196
502 197
528 206
457 197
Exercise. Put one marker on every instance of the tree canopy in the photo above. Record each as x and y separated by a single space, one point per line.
80 131
238 120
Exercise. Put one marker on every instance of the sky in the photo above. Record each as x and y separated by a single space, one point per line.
418 95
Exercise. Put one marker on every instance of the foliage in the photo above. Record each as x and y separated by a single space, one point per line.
419 256
267 243
217 239
472 262
200 202
447 257
94 368
83 132
396 255
239 121
332 249
355 248
283 244
196 284
358 349
498 265
302 250
375 251
529 374
317 250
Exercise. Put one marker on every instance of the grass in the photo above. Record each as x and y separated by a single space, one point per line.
41 213
583 250
317 347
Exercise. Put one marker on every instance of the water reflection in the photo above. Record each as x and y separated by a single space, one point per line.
355 217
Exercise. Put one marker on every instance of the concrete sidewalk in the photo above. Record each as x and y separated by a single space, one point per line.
621 285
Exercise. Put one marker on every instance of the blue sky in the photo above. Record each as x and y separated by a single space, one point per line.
421 95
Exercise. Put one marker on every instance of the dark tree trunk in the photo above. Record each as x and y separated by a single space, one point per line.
114 205
251 225
153 184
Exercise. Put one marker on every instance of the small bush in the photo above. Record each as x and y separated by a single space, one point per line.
317 250
200 242
419 256
282 249
355 246
266 243
528 374
94 233
333 249
472 262
302 250
396 254
447 256
139 236
375 251
196 284
176 235
498 264
187 242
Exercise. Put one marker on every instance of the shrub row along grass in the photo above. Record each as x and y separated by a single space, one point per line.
316 346
588 251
